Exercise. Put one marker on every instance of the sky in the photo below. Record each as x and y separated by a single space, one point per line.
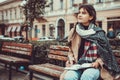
2 0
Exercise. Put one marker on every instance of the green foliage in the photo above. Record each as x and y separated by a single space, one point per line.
34 8
41 49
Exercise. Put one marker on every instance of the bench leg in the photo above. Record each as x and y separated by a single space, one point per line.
31 75
10 72
6 66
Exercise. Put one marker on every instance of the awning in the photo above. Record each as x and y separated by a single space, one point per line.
9 29
14 28
18 29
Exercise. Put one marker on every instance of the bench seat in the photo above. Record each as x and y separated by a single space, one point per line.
47 68
7 58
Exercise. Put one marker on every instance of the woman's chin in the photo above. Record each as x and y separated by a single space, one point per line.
79 21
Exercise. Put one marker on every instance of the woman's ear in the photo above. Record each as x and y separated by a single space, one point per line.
91 17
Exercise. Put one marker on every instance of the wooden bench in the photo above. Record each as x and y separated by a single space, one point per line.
56 52
15 54
117 55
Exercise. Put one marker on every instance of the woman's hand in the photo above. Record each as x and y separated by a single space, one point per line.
69 63
95 64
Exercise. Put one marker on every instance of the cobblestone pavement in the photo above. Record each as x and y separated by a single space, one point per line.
16 75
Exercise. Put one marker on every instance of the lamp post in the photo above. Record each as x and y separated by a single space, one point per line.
32 9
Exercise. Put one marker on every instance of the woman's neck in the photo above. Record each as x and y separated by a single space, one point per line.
85 26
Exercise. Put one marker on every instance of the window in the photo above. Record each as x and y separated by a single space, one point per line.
43 30
6 13
51 28
2 16
61 4
99 1
36 31
115 23
21 13
71 25
15 13
84 1
10 13
71 3
99 23
51 5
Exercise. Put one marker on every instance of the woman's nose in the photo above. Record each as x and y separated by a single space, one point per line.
79 15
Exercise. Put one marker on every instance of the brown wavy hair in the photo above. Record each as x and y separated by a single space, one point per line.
90 9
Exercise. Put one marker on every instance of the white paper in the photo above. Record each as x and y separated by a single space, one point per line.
79 66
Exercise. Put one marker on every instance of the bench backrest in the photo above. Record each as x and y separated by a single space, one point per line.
58 52
117 55
17 48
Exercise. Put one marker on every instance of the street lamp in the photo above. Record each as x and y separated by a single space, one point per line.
33 9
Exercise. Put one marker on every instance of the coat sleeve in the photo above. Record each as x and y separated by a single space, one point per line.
71 33
70 53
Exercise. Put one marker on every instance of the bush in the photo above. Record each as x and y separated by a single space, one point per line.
41 49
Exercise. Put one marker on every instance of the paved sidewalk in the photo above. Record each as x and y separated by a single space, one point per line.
15 75
18 75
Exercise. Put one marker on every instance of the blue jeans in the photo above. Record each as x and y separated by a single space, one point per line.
87 74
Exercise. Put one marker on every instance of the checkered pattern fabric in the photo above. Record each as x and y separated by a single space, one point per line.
90 52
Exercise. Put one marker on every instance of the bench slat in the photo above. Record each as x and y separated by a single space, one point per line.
52 66
58 52
18 44
43 68
57 57
16 51
59 47
13 59
19 48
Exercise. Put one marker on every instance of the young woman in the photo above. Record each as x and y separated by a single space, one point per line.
89 44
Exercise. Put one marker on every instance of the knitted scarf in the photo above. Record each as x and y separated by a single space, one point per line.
104 50
82 32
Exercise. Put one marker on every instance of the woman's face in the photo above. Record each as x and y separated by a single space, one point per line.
84 17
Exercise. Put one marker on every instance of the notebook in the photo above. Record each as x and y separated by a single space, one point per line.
79 66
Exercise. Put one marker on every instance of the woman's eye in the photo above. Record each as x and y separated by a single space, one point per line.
83 12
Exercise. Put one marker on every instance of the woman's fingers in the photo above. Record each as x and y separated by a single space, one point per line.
95 64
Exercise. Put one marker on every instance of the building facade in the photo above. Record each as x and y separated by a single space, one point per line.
11 15
60 16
